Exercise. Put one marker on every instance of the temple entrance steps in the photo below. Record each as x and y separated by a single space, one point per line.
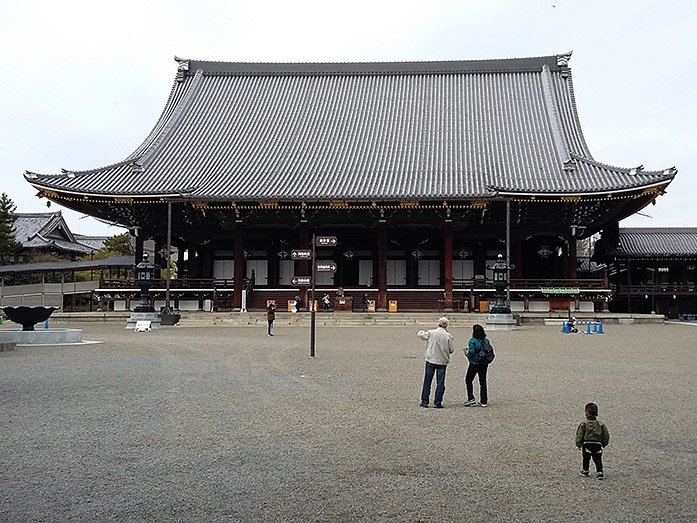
423 320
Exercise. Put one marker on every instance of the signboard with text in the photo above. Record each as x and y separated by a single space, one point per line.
560 290
301 254
325 241
325 266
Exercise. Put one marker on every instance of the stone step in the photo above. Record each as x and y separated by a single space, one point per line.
326 319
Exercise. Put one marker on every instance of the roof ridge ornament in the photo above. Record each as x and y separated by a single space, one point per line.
563 59
182 68
636 170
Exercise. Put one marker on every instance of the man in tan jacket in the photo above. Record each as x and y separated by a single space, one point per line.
439 346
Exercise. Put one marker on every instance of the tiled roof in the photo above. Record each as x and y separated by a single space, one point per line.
362 131
662 242
46 230
28 225
586 265
93 242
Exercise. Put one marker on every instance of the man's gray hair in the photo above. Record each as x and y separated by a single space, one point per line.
443 322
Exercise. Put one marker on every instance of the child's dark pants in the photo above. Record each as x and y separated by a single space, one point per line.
592 449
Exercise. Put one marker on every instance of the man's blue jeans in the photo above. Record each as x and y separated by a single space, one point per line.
439 371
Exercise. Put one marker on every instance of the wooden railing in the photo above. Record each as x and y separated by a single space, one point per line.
185 283
516 283
656 289
531 283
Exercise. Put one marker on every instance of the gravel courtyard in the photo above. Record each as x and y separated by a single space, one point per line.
227 424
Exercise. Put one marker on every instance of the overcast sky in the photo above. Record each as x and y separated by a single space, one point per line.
83 82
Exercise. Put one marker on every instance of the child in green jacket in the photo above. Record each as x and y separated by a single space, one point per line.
591 437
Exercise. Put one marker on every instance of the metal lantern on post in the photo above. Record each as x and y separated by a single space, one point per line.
144 280
500 270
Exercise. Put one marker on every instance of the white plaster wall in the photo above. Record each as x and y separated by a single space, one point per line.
539 306
120 305
188 305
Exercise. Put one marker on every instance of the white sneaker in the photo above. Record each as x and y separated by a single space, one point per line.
482 404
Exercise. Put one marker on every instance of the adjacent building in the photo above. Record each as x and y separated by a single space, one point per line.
48 233
653 270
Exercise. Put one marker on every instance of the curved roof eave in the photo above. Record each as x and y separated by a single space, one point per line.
505 192
179 194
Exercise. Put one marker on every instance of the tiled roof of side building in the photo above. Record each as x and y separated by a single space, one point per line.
29 224
362 131
46 230
678 241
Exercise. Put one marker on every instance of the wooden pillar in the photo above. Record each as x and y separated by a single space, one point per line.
448 265
139 249
201 260
382 265
239 265
572 274
479 257
516 257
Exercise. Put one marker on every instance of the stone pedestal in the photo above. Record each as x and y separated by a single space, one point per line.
41 337
152 317
169 319
500 322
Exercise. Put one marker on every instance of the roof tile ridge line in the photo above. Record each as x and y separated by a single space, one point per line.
176 115
576 117
37 213
672 170
159 123
559 141
551 57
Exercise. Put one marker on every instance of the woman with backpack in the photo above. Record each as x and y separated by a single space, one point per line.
480 353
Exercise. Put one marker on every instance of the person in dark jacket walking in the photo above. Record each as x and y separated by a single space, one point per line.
591 437
270 317
476 367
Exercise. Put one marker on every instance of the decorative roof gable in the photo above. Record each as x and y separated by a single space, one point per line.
46 230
